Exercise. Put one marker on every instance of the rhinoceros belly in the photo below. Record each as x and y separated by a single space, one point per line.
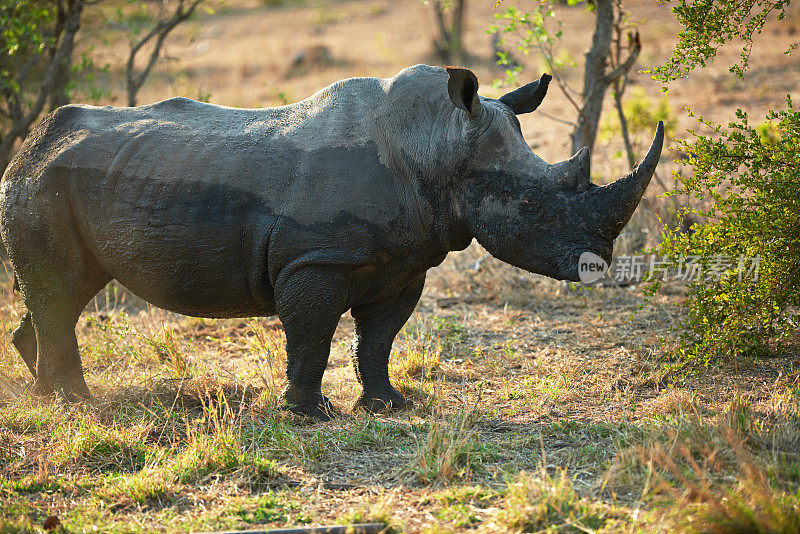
191 246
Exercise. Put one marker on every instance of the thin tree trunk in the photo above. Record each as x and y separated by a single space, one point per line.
594 88
59 95
457 31
449 45
595 78
626 138
21 121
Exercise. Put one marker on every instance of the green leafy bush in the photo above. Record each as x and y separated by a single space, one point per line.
746 180
709 24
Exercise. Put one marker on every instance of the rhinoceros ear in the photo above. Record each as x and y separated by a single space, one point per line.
462 86
528 97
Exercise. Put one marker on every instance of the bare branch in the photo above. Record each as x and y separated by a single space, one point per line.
159 33
554 118
561 82
458 23
449 45
72 25
626 66
623 122
437 10
26 68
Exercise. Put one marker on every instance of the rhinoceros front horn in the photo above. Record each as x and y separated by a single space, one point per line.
620 199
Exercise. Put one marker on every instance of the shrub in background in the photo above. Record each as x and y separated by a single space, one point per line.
745 180
748 178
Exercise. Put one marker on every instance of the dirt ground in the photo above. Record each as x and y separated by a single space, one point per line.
539 405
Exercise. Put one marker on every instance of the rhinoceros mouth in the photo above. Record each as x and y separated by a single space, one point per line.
568 269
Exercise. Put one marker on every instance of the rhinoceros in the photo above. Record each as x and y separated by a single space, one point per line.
341 201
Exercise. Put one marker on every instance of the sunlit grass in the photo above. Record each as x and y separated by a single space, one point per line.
502 437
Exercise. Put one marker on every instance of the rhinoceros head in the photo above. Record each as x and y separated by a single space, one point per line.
533 215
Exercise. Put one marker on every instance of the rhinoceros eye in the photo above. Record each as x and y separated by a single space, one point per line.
530 197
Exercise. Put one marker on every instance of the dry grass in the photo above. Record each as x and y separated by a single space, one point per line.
538 405
556 413
449 451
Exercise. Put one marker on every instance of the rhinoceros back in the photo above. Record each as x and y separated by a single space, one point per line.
181 201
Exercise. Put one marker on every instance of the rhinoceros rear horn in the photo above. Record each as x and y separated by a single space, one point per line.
528 97
462 86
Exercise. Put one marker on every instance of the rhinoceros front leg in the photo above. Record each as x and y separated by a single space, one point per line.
376 326
310 302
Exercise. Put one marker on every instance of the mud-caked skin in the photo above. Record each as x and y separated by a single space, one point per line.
339 202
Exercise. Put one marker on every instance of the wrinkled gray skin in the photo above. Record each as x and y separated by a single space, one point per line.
341 201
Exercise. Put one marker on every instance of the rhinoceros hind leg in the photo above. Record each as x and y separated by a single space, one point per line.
58 365
56 273
58 362
24 339
376 326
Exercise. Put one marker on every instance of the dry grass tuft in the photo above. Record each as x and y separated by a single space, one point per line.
87 444
671 402
379 511
416 362
149 488
752 504
450 450
269 345
541 502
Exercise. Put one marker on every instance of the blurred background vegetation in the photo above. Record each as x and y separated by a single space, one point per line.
602 54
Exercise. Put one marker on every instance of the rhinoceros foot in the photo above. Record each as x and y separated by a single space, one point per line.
384 401
77 392
313 405
69 387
